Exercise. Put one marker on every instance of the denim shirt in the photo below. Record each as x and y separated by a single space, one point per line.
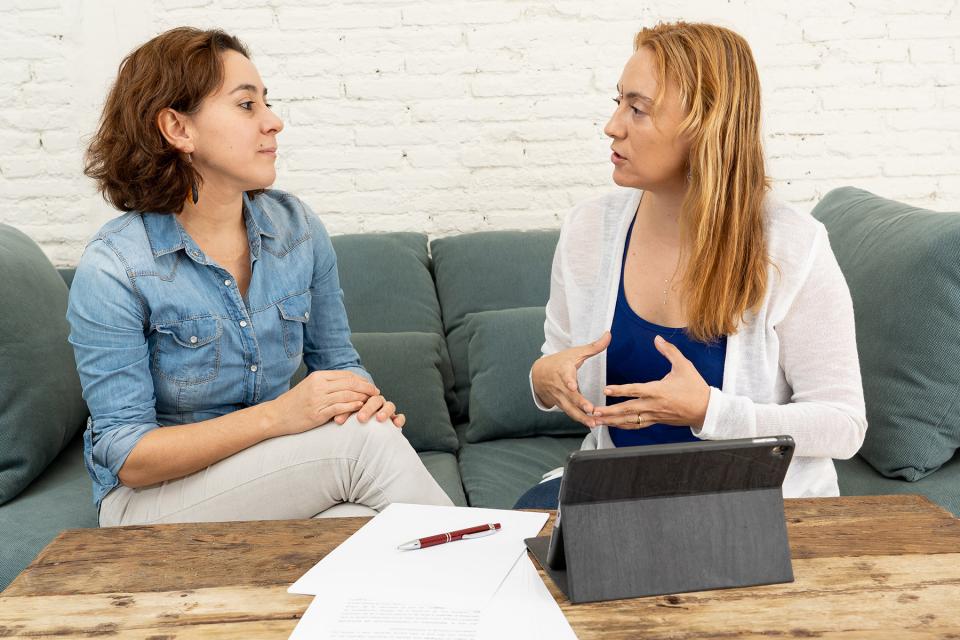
162 336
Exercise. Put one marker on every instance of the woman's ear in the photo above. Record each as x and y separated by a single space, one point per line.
173 127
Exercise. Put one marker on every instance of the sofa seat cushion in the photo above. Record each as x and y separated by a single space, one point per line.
857 478
61 498
444 469
498 472
502 346
41 406
902 265
387 287
485 271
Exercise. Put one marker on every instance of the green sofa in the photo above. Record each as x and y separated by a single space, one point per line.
449 328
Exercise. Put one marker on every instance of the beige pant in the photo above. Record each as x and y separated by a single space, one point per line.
363 467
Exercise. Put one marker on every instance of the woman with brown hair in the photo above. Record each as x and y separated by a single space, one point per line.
190 312
721 313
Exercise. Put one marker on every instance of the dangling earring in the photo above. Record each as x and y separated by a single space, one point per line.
194 193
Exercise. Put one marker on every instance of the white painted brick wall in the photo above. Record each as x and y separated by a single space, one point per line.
446 116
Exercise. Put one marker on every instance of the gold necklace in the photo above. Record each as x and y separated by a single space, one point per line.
668 281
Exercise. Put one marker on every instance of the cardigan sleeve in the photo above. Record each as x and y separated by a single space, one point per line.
818 357
556 326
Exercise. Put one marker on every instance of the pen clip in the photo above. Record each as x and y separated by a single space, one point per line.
479 534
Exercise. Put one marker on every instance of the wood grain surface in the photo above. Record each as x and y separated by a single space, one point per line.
865 567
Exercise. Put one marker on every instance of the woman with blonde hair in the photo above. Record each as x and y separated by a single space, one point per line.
721 313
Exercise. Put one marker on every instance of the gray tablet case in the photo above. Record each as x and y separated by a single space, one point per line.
661 519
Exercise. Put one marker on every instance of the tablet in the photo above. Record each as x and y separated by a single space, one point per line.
668 470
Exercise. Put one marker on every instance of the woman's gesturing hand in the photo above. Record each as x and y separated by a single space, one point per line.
555 379
321 397
680 398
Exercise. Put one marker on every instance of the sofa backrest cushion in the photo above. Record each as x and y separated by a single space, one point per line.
486 271
902 265
41 406
502 346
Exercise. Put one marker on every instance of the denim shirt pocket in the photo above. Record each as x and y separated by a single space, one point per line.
188 352
294 315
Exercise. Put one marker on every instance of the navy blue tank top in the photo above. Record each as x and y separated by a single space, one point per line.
632 358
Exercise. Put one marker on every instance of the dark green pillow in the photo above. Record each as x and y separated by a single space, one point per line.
502 346
482 272
41 406
902 265
406 368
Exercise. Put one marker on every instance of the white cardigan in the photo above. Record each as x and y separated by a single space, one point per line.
790 369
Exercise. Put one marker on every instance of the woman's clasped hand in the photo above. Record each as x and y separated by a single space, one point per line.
333 395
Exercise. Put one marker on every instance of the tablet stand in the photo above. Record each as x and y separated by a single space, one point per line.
653 546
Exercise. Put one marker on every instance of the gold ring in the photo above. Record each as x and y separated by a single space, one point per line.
639 418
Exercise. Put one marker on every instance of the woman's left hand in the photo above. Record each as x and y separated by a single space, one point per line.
679 399
383 408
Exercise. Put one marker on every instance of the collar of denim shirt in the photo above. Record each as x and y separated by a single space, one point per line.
166 234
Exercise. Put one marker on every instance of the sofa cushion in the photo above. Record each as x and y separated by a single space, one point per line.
387 287
482 272
502 346
902 265
406 368
857 478
498 472
41 406
61 498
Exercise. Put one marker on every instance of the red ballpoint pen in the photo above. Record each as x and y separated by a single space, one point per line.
461 534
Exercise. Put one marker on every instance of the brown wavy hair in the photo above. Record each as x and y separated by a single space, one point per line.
723 221
135 168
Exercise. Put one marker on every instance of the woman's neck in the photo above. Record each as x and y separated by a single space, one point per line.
215 213
659 214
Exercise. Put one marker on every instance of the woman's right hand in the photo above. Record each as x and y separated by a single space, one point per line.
555 380
319 398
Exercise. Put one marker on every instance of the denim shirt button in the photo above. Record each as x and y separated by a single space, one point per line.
243 323
196 253
306 314
227 283
193 339
253 368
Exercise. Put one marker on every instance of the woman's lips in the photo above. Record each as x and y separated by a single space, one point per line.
616 158
269 152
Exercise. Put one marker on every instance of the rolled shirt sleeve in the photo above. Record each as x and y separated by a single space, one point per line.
107 331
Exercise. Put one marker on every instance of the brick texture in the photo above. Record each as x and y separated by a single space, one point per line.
448 116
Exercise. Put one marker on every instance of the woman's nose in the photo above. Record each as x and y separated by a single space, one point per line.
614 128
273 123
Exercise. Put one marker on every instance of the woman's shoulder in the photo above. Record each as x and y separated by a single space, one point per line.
792 236
120 240
609 207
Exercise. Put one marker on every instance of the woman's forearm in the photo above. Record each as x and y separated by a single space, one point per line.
176 451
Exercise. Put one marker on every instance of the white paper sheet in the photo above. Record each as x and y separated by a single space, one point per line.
521 608
462 574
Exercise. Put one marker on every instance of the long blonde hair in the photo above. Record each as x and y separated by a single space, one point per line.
722 218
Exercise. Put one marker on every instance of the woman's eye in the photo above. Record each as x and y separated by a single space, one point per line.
617 100
248 105
637 112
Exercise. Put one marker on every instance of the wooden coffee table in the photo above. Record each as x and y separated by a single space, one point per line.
865 567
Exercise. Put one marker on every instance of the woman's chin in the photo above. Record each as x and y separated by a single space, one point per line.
622 180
